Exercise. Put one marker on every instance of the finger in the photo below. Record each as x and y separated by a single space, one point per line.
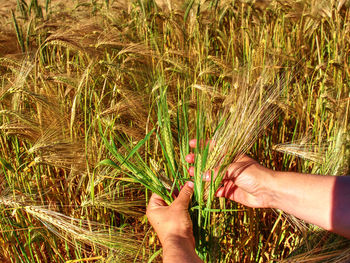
233 170
185 195
226 190
206 175
193 143
191 170
190 158
209 174
156 201
230 191
237 167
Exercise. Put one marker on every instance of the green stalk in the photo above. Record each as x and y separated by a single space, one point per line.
19 32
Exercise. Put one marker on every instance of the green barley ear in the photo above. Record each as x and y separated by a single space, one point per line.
132 164
19 32
183 130
164 123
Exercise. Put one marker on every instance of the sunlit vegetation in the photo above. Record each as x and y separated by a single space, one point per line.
99 99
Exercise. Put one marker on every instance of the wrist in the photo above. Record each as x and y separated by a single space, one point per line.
267 181
273 188
180 249
176 240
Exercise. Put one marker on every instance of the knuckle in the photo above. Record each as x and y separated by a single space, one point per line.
187 192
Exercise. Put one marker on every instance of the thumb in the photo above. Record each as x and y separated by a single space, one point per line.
184 196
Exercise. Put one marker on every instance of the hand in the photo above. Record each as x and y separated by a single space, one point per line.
172 222
244 181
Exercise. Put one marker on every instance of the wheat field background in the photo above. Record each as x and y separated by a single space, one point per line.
149 75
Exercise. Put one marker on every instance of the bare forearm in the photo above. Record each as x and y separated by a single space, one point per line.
308 197
320 200
179 250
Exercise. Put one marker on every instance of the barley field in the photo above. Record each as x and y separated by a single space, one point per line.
99 99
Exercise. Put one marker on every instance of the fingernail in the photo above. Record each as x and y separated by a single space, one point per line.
188 158
190 184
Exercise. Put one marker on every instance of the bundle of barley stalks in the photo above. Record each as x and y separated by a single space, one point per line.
99 100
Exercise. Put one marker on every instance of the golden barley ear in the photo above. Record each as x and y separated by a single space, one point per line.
70 229
303 148
110 196
60 153
170 5
129 113
247 112
321 246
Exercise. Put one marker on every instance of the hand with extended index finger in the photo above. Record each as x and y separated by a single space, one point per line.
242 183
